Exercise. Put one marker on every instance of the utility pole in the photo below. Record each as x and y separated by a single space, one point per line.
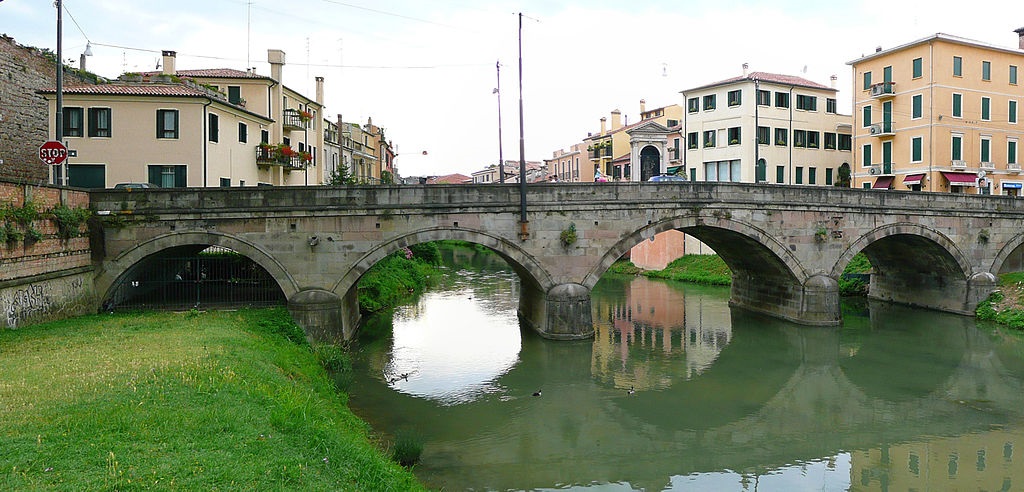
524 230
60 92
501 155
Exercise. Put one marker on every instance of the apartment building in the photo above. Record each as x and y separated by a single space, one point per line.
939 114
766 128
178 128
572 165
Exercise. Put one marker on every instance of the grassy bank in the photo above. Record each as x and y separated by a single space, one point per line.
398 276
1005 305
190 401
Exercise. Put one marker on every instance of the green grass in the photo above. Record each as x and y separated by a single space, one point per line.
1012 317
700 269
394 279
186 401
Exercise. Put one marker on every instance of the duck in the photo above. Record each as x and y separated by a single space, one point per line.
631 391
536 393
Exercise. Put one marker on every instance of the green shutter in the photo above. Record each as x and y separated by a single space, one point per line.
918 102
154 175
1013 112
180 176
918 67
887 74
780 174
1011 152
958 66
986 150
986 108
916 149
957 142
867 155
958 101
867 115
867 80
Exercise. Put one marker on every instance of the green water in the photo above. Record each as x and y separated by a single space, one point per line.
895 399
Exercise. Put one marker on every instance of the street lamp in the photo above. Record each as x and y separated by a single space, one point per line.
59 131
501 156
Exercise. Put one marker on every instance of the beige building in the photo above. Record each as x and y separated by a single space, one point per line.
766 128
635 152
939 114
177 128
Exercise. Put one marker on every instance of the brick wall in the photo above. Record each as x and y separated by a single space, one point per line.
24 118
20 259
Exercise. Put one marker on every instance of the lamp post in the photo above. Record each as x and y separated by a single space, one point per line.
60 91
501 156
524 231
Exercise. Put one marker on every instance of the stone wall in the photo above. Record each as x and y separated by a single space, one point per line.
46 279
24 116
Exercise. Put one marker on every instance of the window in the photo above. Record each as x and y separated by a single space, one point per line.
1013 74
166 124
234 94
986 70
812 139
1011 151
918 67
709 102
916 106
781 100
764 98
73 124
887 74
1011 112
845 142
867 116
168 176
780 174
956 152
830 141
986 150
709 138
866 155
958 66
986 108
214 128
691 140
887 153
764 135
722 170
264 136
781 135
735 98
828 176
734 135
830 105
807 103
225 182
693 104
243 132
799 138
799 173
916 145
958 105
812 175
99 122
867 80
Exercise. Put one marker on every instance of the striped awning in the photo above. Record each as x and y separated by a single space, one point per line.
913 179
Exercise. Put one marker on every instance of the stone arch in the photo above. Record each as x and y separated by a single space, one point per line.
524 264
1004 255
786 258
650 162
902 228
115 269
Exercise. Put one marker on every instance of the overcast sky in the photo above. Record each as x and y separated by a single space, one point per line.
425 69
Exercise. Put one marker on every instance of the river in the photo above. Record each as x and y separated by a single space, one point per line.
678 391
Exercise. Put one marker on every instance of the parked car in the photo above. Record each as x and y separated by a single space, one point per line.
134 186
661 178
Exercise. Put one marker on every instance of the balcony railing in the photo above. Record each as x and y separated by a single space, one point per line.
275 156
1013 166
958 164
601 152
295 120
883 90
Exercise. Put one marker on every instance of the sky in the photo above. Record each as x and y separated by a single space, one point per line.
425 70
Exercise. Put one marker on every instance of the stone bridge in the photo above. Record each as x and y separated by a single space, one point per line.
786 245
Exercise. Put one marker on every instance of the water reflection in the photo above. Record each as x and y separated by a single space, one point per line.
724 400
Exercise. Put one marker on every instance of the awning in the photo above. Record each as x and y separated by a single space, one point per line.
673 169
882 182
1016 186
961 179
913 179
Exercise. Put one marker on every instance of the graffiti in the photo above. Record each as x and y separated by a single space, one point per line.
37 301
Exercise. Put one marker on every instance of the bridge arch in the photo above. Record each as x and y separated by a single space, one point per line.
1010 257
115 270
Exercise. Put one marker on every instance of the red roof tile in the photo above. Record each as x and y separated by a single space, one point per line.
450 179
213 73
132 90
767 77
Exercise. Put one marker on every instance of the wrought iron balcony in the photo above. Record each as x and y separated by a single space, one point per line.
294 119
883 90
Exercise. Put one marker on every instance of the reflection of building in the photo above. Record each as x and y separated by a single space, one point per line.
983 461
653 315
939 114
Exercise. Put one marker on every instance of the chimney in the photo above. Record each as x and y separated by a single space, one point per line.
878 49
276 60
616 119
320 91
746 66
168 63
833 78
603 128
1020 37
643 107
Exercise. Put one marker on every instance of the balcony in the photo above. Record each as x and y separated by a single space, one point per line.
600 152
295 120
883 129
883 90
884 169
988 165
1013 167
281 155
958 164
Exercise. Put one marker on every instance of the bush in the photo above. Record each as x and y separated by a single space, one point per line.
392 280
408 447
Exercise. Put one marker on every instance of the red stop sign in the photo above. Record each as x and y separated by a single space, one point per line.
53 152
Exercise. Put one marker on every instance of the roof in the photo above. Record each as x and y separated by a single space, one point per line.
146 90
941 37
449 179
774 78
222 73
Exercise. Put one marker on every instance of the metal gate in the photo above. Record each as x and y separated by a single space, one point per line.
217 280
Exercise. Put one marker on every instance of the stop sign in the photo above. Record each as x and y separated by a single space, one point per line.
53 152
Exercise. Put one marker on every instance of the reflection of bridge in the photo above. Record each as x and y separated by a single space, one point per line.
777 395
786 245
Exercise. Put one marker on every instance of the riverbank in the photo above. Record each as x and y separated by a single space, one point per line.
1005 305
200 401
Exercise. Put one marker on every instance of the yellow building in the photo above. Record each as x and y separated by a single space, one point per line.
939 114
198 128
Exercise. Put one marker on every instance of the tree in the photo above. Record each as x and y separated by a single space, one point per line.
340 177
387 178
